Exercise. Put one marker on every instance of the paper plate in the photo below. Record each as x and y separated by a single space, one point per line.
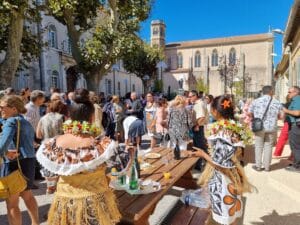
153 155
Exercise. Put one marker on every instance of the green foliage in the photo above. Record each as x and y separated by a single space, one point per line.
29 46
238 89
158 86
109 29
201 85
142 59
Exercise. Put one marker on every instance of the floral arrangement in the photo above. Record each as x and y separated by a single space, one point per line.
242 132
76 127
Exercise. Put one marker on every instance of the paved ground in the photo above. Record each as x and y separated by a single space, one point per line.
276 201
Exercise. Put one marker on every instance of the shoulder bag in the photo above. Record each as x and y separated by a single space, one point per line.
258 123
15 182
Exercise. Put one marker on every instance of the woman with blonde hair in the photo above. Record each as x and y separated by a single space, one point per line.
179 123
12 108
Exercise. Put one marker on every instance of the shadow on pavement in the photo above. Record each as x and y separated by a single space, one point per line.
275 219
280 164
43 210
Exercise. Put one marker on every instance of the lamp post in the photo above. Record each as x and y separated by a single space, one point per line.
115 68
145 79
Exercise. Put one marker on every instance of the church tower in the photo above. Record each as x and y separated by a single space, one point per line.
158 33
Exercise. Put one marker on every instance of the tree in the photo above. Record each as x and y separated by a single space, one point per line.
108 27
16 39
201 86
142 61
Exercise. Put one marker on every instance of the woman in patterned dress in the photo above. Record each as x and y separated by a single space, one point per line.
78 157
223 174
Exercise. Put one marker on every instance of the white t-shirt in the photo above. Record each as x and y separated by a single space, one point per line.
126 124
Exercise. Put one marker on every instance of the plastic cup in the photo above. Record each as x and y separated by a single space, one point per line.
167 175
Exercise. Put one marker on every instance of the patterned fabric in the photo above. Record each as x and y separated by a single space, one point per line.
51 125
258 107
150 113
226 203
66 162
180 121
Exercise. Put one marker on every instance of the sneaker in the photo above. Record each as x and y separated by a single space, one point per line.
293 169
257 168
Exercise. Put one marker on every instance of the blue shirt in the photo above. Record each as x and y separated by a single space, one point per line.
8 137
295 105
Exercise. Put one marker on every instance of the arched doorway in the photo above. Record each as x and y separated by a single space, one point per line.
71 78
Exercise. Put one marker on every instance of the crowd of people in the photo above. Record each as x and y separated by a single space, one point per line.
72 136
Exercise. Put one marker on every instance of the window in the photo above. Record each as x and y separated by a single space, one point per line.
133 87
232 57
54 79
108 87
197 59
155 30
52 37
179 60
169 62
214 58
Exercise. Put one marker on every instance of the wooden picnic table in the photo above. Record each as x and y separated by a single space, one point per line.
136 209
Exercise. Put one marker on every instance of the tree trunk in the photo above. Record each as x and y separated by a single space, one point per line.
10 63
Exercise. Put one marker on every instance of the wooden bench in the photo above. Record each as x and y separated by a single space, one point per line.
187 215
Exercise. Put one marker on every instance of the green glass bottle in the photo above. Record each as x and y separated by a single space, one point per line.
134 179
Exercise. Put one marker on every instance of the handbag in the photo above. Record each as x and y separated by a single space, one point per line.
15 182
258 123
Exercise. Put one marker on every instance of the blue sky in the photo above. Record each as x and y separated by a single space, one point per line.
202 19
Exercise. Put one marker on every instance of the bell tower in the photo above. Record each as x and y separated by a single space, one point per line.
158 33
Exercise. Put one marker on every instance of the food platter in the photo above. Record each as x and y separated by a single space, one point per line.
152 155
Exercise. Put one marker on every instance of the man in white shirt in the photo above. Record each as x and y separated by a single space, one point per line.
37 98
264 139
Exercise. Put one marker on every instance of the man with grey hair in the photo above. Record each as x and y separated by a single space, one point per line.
268 109
293 113
37 98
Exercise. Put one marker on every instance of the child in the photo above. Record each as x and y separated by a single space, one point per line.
223 174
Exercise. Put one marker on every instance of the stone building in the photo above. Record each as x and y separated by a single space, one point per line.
288 70
53 68
244 59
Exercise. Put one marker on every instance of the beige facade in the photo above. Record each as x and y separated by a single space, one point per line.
288 70
190 60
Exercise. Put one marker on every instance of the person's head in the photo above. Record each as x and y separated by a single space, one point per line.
162 102
93 97
150 97
71 95
55 96
200 94
179 101
54 90
115 99
11 105
56 106
25 92
193 96
222 107
267 90
83 109
133 96
37 97
293 91
209 99
10 91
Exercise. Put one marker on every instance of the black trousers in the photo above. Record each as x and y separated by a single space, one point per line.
294 140
200 141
